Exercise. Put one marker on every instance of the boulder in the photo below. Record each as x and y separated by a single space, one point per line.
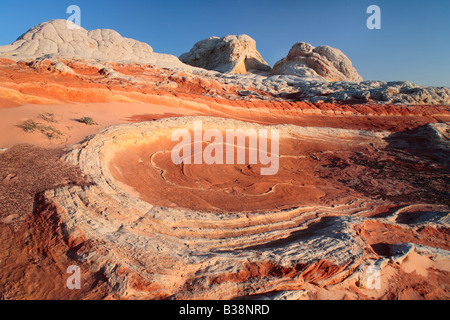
306 61
230 54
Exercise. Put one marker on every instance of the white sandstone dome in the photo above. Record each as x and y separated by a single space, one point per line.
304 60
230 54
64 39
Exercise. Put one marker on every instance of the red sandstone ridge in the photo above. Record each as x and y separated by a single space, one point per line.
47 82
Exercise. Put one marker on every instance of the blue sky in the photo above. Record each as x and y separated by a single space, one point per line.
413 44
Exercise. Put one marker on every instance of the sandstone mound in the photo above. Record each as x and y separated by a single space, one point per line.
232 54
63 39
304 60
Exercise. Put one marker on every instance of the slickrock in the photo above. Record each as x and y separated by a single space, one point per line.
304 60
231 54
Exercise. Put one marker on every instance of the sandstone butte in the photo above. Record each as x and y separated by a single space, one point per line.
362 182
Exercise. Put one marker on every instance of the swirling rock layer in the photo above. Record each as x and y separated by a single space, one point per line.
151 237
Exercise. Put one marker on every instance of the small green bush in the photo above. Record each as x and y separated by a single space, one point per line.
88 121
49 131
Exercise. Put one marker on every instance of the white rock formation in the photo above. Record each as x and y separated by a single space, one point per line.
54 39
321 74
304 60
230 54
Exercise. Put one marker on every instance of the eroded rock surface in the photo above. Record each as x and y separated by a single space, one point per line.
230 54
304 60
173 246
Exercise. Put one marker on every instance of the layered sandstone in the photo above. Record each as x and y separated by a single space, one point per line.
50 81
156 230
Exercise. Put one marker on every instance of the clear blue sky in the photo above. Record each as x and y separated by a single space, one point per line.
413 44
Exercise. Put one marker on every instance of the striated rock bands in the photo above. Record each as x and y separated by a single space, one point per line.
155 231
28 81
